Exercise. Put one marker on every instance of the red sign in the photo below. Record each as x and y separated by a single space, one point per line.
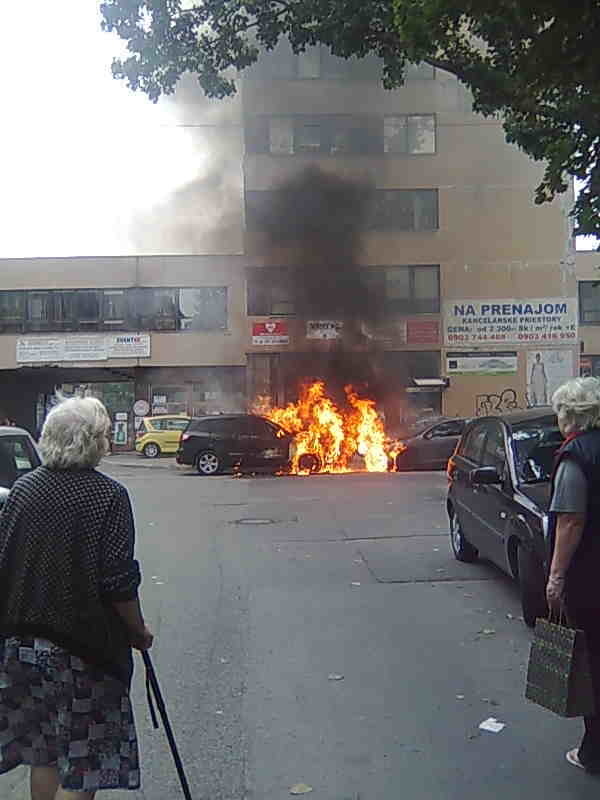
422 331
270 333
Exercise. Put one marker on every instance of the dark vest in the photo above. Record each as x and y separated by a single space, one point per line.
583 577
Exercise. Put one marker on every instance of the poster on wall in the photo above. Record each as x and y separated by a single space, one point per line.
546 371
425 331
324 329
81 347
480 363
270 333
480 322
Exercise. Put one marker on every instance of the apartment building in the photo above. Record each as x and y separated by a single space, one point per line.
388 238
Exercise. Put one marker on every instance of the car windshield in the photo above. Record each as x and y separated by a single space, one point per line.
535 447
17 456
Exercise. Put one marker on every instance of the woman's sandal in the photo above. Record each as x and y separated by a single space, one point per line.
573 758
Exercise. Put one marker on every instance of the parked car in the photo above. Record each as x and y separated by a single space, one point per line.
241 441
430 445
498 498
18 455
158 435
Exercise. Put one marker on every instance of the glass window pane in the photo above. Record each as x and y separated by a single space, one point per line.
426 281
39 311
307 138
426 209
88 307
115 307
281 136
309 62
421 134
11 307
203 309
395 135
256 134
397 283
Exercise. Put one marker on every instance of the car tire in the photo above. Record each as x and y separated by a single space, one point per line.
309 462
531 586
208 463
151 450
462 549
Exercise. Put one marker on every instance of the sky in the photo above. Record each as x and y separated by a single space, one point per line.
88 166
81 153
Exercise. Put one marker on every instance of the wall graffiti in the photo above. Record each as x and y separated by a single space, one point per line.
497 403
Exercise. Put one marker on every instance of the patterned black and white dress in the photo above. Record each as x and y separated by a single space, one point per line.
66 555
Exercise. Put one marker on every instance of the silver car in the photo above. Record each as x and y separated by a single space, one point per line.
18 456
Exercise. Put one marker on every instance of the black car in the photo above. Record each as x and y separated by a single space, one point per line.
430 444
235 441
18 456
498 498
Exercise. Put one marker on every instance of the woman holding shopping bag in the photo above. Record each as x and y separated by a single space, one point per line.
573 586
69 615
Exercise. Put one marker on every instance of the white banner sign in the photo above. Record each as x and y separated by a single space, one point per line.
492 363
81 347
324 329
539 321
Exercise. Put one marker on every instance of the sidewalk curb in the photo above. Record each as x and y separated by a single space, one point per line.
141 462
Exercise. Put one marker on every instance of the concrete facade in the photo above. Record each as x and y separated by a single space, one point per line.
486 240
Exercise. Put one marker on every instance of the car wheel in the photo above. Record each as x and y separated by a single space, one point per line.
462 549
208 463
532 587
151 450
309 462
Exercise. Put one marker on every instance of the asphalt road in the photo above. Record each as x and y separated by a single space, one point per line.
260 591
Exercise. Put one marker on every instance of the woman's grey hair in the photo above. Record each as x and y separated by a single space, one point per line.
75 434
577 405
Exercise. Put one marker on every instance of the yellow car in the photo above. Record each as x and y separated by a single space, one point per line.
158 435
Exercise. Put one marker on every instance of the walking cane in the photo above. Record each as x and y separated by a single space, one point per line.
152 687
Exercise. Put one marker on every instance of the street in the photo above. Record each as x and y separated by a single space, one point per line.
318 631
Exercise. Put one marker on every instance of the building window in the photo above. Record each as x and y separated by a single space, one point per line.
412 134
203 309
318 61
12 311
115 308
589 302
409 289
269 292
405 210
39 311
326 134
392 209
89 309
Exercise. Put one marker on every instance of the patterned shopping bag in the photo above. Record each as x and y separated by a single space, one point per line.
559 676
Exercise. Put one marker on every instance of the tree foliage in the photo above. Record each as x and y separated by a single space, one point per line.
534 62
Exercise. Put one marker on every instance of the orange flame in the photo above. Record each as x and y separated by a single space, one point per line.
328 437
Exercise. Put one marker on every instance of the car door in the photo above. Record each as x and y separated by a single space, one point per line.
467 458
173 429
262 444
438 443
490 502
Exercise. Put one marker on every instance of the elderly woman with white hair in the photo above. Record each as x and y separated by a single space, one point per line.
573 584
69 615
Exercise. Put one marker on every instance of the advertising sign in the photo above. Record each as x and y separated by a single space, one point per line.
270 333
128 345
324 329
81 347
422 331
543 321
546 371
491 363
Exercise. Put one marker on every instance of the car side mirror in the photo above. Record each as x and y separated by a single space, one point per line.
485 476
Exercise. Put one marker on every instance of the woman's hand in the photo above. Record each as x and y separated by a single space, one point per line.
141 639
555 594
